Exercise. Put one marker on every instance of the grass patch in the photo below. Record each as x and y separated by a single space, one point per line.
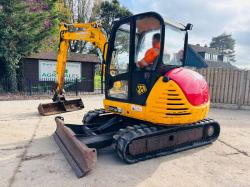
97 82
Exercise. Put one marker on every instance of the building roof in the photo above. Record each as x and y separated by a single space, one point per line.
72 57
220 64
216 64
199 49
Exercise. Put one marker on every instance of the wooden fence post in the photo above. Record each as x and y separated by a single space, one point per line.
242 89
228 86
247 94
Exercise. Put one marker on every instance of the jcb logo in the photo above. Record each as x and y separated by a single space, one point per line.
141 89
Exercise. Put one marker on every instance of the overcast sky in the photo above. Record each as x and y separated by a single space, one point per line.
210 18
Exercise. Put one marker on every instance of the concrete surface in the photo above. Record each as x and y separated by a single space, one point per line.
30 157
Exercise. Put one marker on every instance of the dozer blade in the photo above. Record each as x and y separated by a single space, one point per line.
60 107
80 157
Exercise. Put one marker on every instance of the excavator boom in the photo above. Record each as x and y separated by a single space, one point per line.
88 32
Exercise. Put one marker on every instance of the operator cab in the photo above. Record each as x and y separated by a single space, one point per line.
130 39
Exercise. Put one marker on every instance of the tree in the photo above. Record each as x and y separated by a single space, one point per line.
225 44
107 12
24 25
58 12
80 9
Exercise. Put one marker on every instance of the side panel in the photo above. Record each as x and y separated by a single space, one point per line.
166 104
193 85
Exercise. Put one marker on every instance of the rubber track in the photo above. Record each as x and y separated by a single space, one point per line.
92 114
124 137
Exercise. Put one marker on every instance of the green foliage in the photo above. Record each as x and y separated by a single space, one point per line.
61 12
19 30
225 44
24 26
58 12
107 12
97 82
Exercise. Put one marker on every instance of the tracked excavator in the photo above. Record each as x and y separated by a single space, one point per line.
155 111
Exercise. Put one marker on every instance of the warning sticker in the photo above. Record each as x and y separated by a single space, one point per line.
136 108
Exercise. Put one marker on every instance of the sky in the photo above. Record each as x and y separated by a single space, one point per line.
209 17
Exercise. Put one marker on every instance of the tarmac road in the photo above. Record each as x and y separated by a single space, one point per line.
30 157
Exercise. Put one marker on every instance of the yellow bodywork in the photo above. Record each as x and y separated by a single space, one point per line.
89 32
165 105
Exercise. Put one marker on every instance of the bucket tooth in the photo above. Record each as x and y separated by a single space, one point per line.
81 158
47 109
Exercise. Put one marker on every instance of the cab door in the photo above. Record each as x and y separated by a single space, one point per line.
118 68
143 79
129 40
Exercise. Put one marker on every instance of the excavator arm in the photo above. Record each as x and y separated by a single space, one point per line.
89 32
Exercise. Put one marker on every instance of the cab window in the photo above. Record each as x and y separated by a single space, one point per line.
173 46
146 28
119 65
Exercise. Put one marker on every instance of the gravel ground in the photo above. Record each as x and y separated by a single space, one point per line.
30 157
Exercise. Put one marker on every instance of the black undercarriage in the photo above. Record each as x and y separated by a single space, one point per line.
134 140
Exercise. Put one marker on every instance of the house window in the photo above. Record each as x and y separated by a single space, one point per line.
207 56
225 59
215 58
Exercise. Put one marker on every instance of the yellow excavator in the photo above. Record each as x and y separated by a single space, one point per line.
89 32
157 110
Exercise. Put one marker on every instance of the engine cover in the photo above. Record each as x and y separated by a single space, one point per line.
193 85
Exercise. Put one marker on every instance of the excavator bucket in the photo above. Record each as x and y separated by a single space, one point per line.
81 158
47 109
